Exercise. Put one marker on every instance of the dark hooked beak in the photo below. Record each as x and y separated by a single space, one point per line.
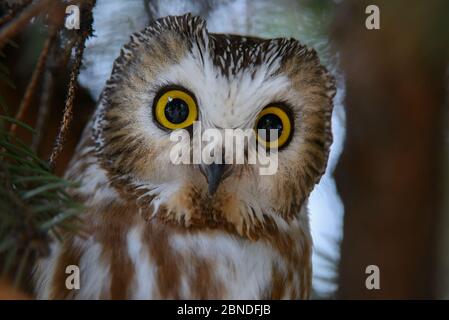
215 173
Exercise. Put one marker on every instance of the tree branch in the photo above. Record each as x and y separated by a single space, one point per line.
85 31
29 93
13 12
16 25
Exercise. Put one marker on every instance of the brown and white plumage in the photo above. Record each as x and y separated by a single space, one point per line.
153 229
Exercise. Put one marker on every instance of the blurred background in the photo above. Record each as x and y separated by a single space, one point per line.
384 198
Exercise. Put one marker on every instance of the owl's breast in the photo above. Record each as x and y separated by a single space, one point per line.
151 261
210 264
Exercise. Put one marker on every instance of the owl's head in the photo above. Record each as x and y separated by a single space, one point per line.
174 73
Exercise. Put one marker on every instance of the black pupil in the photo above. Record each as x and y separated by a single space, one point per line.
270 121
176 110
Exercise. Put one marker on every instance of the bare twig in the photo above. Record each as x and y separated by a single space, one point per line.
85 32
44 108
66 52
68 109
16 25
28 96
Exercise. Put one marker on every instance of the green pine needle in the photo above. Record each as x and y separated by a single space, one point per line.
35 205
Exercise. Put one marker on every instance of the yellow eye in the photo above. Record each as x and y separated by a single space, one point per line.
175 109
273 117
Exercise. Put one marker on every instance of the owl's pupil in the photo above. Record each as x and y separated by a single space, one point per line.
176 111
270 121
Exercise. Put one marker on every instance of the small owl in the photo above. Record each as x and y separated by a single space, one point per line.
153 229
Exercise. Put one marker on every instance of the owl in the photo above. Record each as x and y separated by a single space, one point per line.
154 229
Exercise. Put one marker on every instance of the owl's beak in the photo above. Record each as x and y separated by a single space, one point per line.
215 173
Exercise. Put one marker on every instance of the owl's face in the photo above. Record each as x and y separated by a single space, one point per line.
175 72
